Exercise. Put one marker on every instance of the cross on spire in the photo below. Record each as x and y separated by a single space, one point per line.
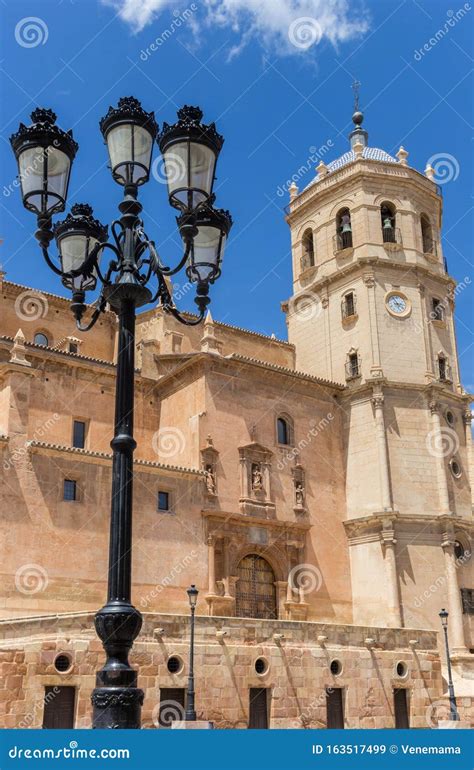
356 88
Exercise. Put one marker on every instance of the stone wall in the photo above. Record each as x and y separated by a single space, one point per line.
297 676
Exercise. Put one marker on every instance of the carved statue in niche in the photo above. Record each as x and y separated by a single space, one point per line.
210 479
299 494
257 477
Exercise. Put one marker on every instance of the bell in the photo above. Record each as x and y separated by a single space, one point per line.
387 224
346 224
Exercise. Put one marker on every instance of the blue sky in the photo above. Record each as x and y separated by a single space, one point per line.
273 100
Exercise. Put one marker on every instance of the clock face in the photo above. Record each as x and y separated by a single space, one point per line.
397 304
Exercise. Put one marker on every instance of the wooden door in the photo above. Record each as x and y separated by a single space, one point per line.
258 708
59 705
334 708
400 702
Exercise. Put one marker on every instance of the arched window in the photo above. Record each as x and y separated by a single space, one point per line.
426 235
41 339
388 217
255 590
307 259
344 229
283 431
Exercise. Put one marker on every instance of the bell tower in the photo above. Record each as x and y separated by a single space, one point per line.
372 308
371 292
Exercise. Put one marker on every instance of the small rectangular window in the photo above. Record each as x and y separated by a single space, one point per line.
352 366
438 310
79 434
442 368
70 490
163 501
467 599
73 347
348 307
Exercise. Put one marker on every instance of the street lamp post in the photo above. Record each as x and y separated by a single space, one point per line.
452 699
190 715
44 153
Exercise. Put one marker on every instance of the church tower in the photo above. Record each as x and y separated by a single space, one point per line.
372 308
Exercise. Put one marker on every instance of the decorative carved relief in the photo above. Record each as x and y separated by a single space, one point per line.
209 460
299 489
255 481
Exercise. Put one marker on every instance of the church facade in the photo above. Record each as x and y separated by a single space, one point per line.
317 491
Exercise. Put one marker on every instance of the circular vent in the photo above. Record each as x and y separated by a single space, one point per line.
261 666
335 667
455 469
402 668
174 664
62 663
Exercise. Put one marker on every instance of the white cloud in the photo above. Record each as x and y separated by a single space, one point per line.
287 26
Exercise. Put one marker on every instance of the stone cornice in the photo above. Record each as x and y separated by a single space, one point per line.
71 357
80 625
158 312
369 528
365 390
255 521
86 454
358 170
363 263
284 370
211 360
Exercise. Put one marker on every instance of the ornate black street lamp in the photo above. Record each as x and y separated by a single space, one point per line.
452 699
190 715
45 153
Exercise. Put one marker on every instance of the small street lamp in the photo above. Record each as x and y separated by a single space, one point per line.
44 153
190 715
452 699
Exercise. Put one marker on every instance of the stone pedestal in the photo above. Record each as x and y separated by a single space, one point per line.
199 724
